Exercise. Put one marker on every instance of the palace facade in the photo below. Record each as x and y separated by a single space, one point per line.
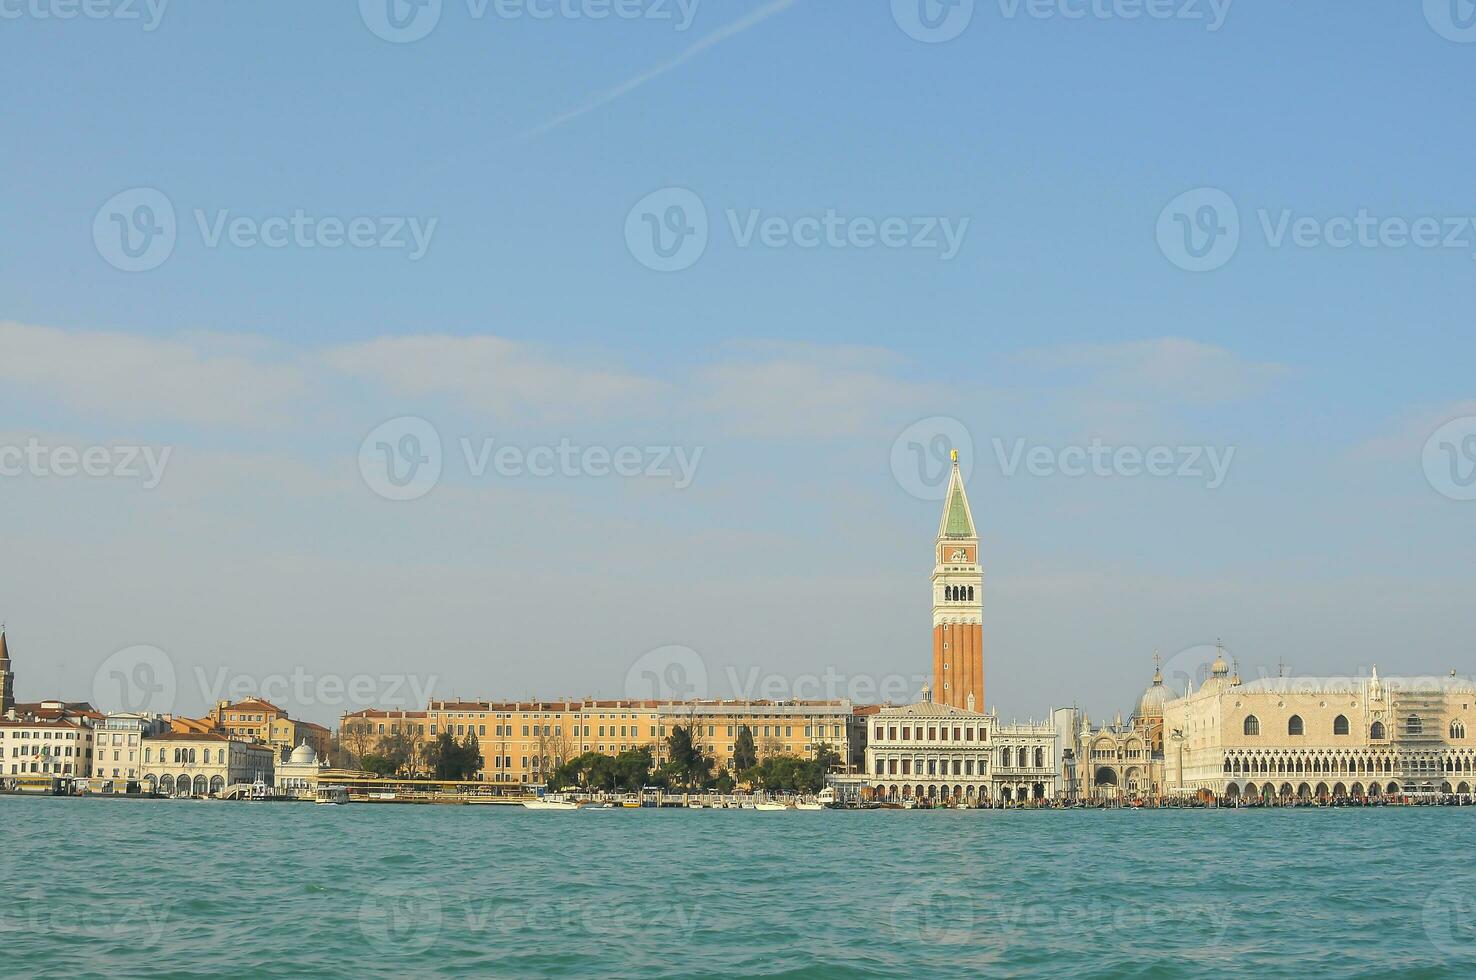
1308 738
525 741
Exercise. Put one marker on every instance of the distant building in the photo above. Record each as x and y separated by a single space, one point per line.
298 775
57 746
258 720
7 679
1120 762
117 765
1306 738
203 764
942 753
958 603
525 741
250 719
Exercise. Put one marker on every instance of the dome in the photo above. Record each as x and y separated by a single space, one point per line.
1219 668
304 755
1150 705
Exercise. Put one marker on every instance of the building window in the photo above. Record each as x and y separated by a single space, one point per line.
1340 725
1252 725
1413 725
1294 725
1457 730
1376 730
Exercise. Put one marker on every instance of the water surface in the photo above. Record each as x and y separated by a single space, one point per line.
105 888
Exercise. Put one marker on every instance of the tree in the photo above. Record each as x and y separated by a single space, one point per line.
470 757
745 753
358 737
788 774
379 765
554 748
632 769
688 767
448 760
595 771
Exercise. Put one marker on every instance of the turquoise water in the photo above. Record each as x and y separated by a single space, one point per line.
179 889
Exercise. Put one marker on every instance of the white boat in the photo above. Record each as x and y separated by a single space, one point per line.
695 805
549 805
331 795
770 806
809 806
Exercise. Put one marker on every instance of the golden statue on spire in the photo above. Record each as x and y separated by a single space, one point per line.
953 454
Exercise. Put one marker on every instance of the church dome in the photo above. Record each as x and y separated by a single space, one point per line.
303 755
1150 705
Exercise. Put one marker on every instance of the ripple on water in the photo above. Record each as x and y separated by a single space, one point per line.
451 891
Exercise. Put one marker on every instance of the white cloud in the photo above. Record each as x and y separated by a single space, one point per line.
1406 436
196 380
1170 368
804 390
488 373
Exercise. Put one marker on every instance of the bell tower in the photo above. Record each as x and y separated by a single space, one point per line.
7 679
958 603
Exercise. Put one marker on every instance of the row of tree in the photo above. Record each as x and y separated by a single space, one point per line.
688 768
444 758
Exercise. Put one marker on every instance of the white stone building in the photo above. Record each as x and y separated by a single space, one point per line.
942 753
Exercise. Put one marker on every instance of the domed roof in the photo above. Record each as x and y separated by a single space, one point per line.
1150 705
303 755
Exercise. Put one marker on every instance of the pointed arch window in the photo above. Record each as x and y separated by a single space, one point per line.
1294 725
1340 725
1457 730
1376 730
1252 725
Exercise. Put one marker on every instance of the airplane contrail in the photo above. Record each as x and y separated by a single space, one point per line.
687 54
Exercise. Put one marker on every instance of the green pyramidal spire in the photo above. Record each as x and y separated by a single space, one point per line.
958 520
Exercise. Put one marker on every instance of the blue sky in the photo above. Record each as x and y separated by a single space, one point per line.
1054 143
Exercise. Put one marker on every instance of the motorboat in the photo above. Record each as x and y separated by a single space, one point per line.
331 796
549 805
770 806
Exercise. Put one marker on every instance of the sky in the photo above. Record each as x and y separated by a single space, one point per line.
614 347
